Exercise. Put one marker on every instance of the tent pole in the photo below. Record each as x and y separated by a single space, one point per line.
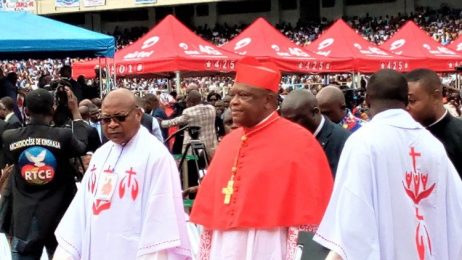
115 72
108 75
353 76
100 78
178 82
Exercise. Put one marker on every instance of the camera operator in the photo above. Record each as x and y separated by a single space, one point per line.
66 75
41 186
63 116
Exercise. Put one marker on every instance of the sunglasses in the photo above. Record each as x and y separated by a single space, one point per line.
115 118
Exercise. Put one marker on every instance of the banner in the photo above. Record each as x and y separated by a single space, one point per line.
67 3
145 1
90 3
17 5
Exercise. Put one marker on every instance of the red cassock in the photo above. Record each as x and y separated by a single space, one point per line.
282 180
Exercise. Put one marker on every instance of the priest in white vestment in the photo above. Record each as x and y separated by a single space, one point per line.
129 205
396 196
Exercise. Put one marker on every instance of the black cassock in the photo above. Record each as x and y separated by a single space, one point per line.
449 132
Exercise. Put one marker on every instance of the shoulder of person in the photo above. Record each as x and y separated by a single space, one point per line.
339 131
291 130
9 134
458 122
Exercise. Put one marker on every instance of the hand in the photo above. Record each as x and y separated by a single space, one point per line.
191 190
71 99
73 103
86 160
5 172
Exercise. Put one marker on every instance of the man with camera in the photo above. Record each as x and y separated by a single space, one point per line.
41 185
66 74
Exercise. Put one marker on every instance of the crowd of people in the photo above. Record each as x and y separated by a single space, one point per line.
261 159
393 153
444 25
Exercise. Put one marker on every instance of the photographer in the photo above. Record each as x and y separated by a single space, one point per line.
41 185
66 75
63 115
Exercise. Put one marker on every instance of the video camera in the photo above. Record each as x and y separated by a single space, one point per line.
62 112
194 132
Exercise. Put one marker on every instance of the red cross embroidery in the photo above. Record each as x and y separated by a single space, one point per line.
92 180
418 193
130 182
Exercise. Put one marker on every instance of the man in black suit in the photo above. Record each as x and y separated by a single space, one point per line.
11 119
8 89
2 155
301 107
426 107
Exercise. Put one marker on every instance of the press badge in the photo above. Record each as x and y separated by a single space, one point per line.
106 186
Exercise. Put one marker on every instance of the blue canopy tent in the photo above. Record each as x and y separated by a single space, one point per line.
25 35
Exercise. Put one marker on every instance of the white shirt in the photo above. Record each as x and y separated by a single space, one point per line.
321 124
394 184
97 125
7 117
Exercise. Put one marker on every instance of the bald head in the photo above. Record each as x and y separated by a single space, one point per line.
193 98
331 101
120 116
301 107
300 99
97 102
85 102
191 87
331 94
122 95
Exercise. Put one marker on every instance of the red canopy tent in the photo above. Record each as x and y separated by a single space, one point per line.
262 41
169 47
456 44
412 41
341 41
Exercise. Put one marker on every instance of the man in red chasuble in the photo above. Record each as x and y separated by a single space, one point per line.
269 178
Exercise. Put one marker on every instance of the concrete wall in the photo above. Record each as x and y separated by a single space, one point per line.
339 10
274 16
93 20
399 6
48 6
437 3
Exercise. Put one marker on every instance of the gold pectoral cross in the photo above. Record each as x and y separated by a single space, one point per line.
228 191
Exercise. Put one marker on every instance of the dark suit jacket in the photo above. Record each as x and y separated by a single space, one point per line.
93 139
3 126
332 138
13 122
449 132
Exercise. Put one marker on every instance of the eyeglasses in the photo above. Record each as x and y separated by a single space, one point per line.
115 118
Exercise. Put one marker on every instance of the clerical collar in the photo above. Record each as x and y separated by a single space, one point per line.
439 120
321 124
266 119
263 124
